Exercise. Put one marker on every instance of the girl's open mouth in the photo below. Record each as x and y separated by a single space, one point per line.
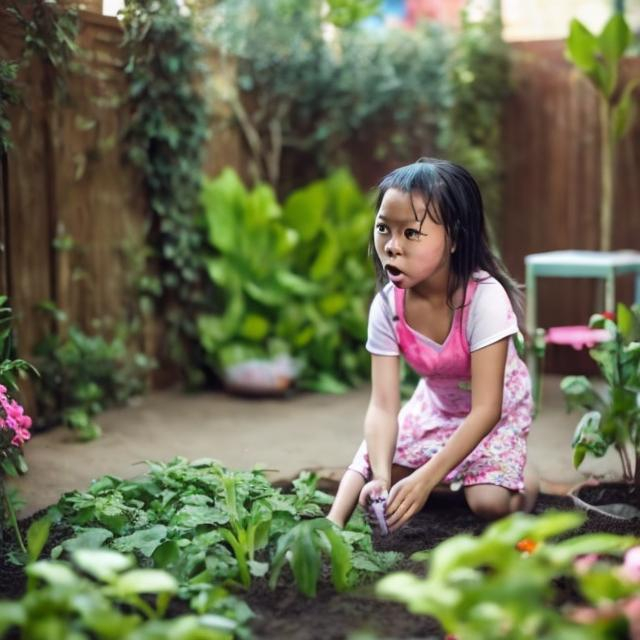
393 271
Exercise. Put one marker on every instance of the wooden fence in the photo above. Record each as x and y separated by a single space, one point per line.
551 184
66 177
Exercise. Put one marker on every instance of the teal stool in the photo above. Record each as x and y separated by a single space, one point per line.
605 265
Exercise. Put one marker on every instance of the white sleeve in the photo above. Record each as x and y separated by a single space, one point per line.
491 316
381 336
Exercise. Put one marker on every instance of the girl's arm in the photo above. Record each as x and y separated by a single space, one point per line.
381 420
487 382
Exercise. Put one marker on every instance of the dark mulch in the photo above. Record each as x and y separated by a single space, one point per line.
13 581
283 613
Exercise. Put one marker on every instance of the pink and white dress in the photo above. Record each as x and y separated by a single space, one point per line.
442 399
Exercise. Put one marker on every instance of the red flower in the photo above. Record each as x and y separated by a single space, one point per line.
609 315
526 545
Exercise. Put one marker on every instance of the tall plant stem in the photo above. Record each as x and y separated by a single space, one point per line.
11 512
627 472
606 175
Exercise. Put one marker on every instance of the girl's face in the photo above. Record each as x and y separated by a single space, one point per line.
412 251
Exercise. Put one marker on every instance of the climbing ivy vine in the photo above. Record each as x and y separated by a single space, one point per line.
165 140
9 94
50 33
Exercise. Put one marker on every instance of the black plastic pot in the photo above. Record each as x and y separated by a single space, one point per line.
612 499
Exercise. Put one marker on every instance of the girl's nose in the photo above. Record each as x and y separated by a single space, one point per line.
391 248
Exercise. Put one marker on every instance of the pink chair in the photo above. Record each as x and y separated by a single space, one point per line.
577 336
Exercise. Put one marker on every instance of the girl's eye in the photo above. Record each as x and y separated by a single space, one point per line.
412 234
381 227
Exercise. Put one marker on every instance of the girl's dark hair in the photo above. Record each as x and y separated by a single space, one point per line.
453 199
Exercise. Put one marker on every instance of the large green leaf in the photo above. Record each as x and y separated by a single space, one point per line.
615 38
102 564
254 327
261 209
340 559
145 581
579 393
589 434
295 284
224 201
599 543
510 530
304 210
582 47
327 259
91 538
37 536
269 294
146 540
223 273
57 574
346 197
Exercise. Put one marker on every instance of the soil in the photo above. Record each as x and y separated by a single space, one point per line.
284 613
611 493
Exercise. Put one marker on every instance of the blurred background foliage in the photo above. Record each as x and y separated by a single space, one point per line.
309 95
312 89
325 103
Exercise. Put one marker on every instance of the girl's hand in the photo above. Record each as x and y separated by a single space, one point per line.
406 498
373 489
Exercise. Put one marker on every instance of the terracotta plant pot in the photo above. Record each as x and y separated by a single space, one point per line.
611 499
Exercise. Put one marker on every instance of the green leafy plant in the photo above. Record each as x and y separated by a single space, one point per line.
100 594
612 418
296 279
250 268
165 139
213 528
303 547
333 219
598 56
82 375
505 582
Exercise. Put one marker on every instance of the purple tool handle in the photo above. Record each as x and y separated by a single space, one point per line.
378 506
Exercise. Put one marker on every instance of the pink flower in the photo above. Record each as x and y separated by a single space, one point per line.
14 419
630 569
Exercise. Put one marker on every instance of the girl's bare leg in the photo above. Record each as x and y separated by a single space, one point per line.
531 489
492 502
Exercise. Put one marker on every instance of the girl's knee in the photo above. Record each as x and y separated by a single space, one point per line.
489 503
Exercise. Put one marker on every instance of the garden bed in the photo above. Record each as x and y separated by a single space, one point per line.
285 613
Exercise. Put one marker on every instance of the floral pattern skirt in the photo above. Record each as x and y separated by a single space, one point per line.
499 459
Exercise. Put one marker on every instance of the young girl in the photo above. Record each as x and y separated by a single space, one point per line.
448 309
